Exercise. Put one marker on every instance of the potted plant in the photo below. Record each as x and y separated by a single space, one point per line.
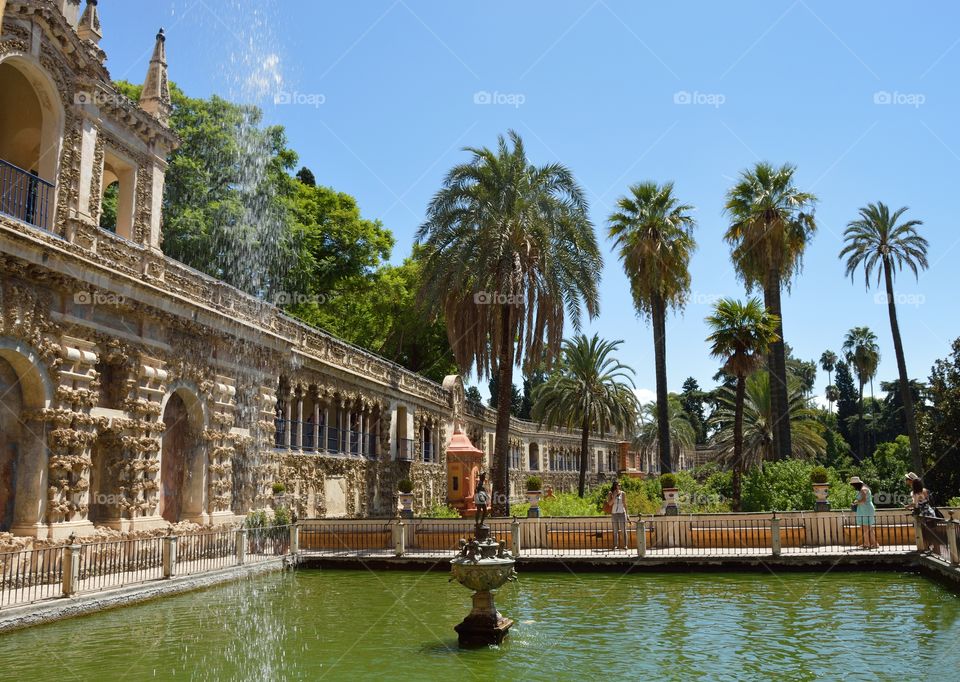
534 486
405 494
668 484
819 479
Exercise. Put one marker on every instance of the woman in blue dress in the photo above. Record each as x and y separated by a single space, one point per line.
866 514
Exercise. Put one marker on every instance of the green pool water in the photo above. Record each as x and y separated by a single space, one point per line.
393 625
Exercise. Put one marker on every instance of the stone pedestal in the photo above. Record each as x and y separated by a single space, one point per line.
483 566
484 625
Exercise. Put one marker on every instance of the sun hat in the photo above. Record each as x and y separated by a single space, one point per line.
854 479
911 476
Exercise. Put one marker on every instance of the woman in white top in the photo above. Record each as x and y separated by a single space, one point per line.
617 502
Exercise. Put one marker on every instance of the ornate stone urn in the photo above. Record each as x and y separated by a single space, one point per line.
483 565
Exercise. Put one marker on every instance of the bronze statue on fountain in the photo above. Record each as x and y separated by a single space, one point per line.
483 565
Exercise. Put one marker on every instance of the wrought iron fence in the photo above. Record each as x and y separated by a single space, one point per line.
266 543
119 562
30 575
24 195
201 552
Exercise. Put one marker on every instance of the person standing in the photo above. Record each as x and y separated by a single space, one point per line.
922 506
617 502
866 513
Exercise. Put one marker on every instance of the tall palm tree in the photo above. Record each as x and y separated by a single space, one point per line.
740 334
654 234
828 361
510 255
771 223
682 434
863 354
590 390
878 238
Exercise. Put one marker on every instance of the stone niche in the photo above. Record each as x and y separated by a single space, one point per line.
335 496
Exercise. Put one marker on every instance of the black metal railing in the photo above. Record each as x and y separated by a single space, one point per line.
405 449
334 443
428 452
24 195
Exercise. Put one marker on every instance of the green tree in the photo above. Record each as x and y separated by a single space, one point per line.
227 188
758 430
740 334
942 425
683 436
589 390
336 245
862 352
510 257
879 239
891 422
771 224
653 232
847 403
692 400
108 207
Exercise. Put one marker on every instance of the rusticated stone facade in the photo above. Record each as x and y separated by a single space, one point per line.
144 393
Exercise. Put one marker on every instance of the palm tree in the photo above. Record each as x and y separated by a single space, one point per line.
510 255
863 354
682 434
758 432
877 237
832 394
654 234
741 333
828 361
590 390
772 222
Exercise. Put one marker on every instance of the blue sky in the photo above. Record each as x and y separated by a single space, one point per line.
378 98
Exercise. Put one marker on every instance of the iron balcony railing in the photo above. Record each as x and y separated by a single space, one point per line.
24 195
405 449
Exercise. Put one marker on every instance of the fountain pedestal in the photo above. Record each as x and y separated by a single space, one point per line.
483 565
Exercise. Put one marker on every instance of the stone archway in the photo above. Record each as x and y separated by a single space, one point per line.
24 389
183 470
533 459
31 133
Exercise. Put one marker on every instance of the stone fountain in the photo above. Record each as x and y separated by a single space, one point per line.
482 565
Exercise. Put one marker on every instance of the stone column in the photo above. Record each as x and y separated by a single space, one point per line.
297 442
316 424
287 415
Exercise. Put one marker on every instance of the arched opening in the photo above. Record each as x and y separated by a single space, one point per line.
31 121
182 466
534 457
23 446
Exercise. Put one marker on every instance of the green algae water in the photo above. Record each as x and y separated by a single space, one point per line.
337 625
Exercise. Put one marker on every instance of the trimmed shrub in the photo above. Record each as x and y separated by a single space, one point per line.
405 485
